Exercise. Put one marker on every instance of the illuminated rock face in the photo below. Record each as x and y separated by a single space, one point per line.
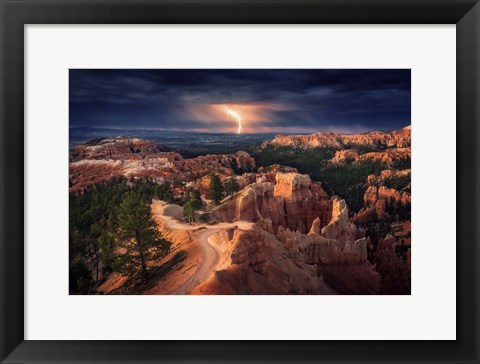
253 203
275 258
114 148
132 157
389 139
258 263
380 202
293 201
386 157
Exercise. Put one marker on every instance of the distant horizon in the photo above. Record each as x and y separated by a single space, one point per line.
230 133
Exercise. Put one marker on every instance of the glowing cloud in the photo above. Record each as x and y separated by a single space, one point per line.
234 115
252 117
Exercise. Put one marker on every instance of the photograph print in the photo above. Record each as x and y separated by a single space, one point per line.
239 181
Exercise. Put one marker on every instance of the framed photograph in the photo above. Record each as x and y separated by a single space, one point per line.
240 181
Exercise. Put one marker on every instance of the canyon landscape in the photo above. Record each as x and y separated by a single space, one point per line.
235 211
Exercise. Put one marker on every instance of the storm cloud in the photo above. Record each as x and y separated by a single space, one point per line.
278 100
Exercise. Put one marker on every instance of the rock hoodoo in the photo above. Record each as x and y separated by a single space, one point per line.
293 201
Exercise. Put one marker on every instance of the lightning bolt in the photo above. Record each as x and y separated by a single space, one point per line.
235 116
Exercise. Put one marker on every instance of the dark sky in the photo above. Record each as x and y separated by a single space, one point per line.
280 101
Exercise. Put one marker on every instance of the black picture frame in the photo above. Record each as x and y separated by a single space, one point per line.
17 13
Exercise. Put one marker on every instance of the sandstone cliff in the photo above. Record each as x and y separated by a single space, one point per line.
339 251
335 248
386 157
382 202
293 201
386 139
393 260
113 148
259 264
138 158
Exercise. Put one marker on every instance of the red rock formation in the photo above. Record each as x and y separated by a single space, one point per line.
377 201
345 156
393 260
113 148
340 257
388 139
373 194
253 203
389 176
223 163
260 265
293 201
352 279
382 202
338 249
339 228
131 157
387 157
271 170
304 201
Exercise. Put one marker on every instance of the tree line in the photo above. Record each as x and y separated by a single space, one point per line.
111 229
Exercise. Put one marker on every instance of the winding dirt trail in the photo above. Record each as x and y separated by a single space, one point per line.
210 260
211 256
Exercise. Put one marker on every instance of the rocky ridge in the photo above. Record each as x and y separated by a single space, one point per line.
382 201
138 158
293 200
386 157
386 139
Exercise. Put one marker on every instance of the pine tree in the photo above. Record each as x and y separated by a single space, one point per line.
215 190
193 202
139 239
189 211
80 278
231 186
196 199
163 192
